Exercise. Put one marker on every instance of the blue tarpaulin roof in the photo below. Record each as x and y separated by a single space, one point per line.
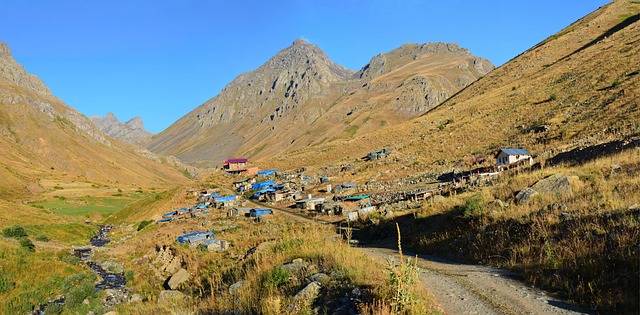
263 185
226 198
266 172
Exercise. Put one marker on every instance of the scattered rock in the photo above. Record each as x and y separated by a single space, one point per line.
498 204
297 266
135 298
112 266
234 288
170 295
216 246
177 279
111 313
320 277
306 296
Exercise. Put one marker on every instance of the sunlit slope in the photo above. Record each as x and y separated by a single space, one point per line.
578 87
41 137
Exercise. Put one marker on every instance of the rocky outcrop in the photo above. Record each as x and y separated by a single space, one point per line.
12 71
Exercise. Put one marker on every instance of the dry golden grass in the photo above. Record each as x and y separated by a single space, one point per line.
584 246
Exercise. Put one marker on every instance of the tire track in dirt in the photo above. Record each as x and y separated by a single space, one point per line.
473 289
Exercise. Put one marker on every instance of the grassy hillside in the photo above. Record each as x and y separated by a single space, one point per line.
576 88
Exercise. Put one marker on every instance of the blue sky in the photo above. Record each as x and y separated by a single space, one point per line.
161 59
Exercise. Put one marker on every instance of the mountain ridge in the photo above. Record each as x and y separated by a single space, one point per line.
297 95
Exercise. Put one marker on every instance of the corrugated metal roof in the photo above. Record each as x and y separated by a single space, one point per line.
515 151
237 160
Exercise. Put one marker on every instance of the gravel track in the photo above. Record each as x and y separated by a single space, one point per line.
474 289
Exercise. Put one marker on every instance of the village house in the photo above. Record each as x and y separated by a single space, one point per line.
309 203
235 164
509 157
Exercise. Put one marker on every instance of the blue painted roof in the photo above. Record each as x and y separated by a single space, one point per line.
194 236
267 172
515 151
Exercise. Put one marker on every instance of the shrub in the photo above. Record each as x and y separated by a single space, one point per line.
276 278
15 231
144 224
472 207
77 294
70 259
27 244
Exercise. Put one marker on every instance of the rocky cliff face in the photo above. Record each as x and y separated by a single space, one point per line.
12 71
131 131
300 97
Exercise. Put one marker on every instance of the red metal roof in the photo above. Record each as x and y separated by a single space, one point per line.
236 160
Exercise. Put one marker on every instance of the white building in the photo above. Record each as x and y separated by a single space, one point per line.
507 157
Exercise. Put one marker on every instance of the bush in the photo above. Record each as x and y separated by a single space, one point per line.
76 295
144 224
472 207
276 278
70 259
27 244
15 231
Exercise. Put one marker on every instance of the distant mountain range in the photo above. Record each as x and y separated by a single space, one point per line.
131 131
300 97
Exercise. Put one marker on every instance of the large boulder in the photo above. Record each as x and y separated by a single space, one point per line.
177 279
556 186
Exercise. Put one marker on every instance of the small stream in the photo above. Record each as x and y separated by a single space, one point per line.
112 282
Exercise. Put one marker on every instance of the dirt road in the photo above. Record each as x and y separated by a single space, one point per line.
474 289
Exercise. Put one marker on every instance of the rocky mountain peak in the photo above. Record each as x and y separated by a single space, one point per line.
12 71
131 131
4 50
